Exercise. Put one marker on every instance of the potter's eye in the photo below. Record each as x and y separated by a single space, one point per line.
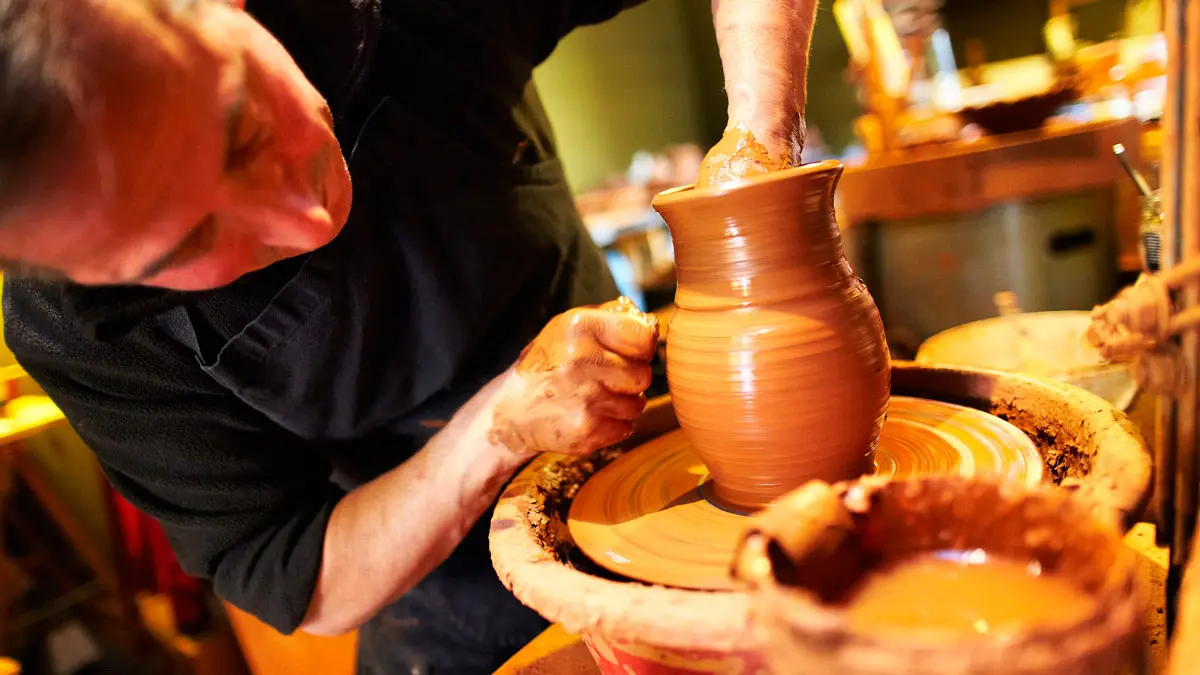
245 136
245 151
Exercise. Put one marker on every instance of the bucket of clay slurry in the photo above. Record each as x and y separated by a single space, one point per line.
941 576
1051 345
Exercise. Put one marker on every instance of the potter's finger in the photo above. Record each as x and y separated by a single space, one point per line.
619 375
588 361
611 305
621 304
634 336
620 407
607 431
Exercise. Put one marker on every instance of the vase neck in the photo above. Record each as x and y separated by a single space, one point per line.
775 248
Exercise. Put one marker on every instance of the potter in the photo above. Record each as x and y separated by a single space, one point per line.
316 386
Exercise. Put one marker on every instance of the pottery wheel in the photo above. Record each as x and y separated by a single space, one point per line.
647 515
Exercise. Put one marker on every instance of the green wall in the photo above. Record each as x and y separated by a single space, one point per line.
832 98
622 86
652 76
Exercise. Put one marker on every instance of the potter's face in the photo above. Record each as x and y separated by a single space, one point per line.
196 152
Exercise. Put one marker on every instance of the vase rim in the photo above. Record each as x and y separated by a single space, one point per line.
683 192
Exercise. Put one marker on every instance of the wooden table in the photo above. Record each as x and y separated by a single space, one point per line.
146 621
554 652
557 652
24 416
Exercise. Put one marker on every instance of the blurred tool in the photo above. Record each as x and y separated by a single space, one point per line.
1138 179
1150 225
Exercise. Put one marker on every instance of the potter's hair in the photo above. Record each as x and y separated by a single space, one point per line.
36 81
34 105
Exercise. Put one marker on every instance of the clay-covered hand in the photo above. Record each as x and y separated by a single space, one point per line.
580 384
764 51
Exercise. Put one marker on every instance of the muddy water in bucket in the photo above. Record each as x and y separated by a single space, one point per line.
961 594
941 576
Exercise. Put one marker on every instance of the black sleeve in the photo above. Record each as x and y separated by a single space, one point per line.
244 503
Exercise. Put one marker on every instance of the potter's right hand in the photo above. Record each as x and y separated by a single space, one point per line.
580 384
764 53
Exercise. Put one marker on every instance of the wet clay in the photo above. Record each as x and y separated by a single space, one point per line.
954 594
579 385
737 156
650 514
776 357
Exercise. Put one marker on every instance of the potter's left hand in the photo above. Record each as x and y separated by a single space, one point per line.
580 384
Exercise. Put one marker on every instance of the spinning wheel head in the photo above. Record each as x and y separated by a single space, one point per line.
651 515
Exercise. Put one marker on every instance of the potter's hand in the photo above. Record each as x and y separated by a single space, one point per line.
764 52
577 387
580 384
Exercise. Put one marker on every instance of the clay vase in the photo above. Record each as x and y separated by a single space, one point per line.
802 560
776 357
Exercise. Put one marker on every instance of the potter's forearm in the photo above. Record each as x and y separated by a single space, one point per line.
387 535
764 47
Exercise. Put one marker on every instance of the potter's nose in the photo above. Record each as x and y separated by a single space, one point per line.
300 224
286 208
291 219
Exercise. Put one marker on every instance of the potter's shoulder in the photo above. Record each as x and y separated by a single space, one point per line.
61 327
34 312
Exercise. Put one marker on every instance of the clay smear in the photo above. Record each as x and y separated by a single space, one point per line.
737 156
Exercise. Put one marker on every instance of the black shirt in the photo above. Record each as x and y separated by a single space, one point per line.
239 417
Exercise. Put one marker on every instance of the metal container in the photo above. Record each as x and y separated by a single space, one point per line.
933 273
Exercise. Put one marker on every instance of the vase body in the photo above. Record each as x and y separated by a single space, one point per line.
776 357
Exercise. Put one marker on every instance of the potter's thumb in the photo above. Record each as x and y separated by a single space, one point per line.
633 335
621 304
